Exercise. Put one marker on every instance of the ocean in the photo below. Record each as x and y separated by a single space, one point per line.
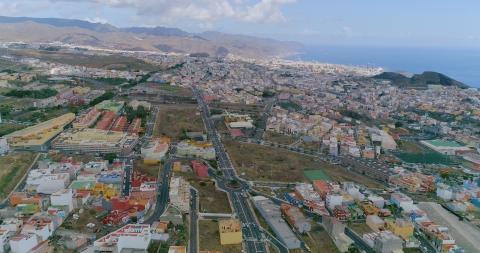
460 64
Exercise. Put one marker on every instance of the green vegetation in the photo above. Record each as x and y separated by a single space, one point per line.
420 80
7 128
105 96
110 157
289 105
141 113
268 93
112 80
43 93
12 170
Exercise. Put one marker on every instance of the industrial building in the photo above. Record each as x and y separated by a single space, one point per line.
38 137
130 237
230 231
271 213
95 141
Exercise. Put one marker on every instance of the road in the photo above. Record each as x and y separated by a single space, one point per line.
252 235
162 194
193 242
127 179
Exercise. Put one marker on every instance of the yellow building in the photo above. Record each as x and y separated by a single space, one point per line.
230 231
107 190
400 227
36 137
177 166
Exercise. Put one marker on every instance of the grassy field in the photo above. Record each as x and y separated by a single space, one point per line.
12 169
210 238
275 164
173 120
427 157
211 200
7 128
319 241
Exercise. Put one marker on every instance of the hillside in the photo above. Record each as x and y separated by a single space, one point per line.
420 80
140 38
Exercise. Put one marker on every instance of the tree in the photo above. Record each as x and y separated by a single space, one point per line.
110 157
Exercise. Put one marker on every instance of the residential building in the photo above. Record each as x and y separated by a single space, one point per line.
295 218
375 223
129 237
387 242
23 243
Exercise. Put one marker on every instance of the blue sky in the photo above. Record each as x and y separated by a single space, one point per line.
400 23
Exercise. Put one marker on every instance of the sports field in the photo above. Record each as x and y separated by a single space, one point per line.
312 175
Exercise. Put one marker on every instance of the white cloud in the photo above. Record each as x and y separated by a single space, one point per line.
96 20
200 10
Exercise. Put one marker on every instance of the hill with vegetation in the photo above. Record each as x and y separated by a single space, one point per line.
420 80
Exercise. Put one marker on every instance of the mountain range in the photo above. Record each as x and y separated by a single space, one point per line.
164 39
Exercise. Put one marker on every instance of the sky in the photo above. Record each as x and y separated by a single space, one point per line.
388 23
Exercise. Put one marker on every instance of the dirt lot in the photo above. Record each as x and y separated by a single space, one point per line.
151 170
211 200
173 120
319 241
12 169
279 138
275 164
210 238
360 228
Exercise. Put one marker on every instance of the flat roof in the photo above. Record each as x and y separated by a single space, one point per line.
41 133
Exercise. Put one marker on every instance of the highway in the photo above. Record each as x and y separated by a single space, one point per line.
193 242
252 234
